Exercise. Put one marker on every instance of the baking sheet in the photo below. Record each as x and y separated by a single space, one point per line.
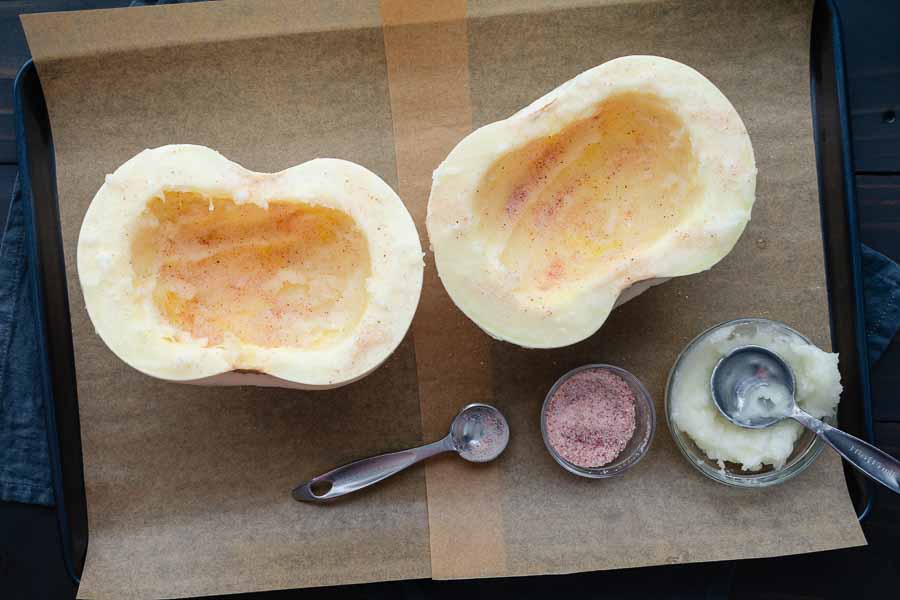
188 488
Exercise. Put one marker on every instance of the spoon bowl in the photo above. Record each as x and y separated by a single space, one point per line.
480 433
754 388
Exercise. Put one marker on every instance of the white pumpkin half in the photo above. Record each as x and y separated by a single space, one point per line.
631 173
198 270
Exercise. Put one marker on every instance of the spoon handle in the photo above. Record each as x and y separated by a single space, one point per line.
879 465
365 472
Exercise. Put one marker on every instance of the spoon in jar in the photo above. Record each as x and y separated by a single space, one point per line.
754 388
479 433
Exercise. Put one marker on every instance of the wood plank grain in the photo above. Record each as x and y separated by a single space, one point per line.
884 526
885 383
878 199
872 49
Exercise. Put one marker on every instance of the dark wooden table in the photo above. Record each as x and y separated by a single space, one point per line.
31 562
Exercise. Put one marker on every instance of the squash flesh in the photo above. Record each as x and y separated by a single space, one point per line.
580 202
631 173
285 275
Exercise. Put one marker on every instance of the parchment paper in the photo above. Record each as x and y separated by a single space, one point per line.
188 488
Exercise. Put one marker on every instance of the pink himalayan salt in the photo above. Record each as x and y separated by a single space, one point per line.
590 418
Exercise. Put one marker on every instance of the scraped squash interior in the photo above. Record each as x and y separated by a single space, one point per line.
576 203
629 174
289 275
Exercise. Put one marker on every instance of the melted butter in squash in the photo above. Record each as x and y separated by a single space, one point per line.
590 197
291 275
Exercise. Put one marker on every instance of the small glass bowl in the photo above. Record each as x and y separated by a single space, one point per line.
644 427
806 448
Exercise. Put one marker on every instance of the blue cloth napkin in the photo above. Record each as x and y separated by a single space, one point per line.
24 455
25 474
881 278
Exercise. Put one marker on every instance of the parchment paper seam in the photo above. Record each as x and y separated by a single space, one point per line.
419 38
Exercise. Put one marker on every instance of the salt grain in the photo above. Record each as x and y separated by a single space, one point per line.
590 418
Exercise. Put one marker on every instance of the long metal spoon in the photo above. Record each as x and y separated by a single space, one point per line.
753 387
479 433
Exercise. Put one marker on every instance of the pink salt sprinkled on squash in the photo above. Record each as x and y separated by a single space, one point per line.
590 418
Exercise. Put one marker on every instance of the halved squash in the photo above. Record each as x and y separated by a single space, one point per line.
633 172
195 269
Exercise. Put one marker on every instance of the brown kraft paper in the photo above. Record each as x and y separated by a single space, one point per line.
188 487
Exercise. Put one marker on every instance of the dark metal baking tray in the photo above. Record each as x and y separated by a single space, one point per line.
840 234
56 354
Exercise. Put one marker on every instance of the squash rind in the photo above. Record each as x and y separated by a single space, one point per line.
127 321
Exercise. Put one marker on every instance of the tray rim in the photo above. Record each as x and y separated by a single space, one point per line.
55 338
826 42
66 456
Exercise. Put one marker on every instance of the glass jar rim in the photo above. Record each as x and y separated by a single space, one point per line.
699 459
620 464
